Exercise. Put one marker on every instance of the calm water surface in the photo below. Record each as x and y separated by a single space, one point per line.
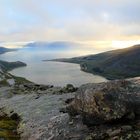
55 73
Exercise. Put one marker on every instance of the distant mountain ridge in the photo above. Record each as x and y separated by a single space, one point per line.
4 50
57 45
116 64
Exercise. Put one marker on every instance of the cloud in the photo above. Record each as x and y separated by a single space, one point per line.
74 20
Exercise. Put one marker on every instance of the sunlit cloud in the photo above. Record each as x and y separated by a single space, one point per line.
124 44
13 44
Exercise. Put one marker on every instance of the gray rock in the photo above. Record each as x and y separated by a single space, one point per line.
106 102
41 118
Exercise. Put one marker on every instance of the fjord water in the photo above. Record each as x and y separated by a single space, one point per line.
48 72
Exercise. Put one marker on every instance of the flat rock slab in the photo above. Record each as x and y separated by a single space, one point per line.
41 119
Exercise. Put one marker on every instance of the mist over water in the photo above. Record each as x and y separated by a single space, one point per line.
46 72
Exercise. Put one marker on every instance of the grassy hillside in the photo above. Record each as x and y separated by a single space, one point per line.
6 66
116 64
6 77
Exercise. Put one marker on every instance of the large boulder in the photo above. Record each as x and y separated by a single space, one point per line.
106 102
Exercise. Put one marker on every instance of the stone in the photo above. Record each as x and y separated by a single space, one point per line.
114 133
126 128
68 101
106 102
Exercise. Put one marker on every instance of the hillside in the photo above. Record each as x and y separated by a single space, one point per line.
6 66
116 64
7 78
4 50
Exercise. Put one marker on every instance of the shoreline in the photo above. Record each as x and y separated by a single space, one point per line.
95 73
108 77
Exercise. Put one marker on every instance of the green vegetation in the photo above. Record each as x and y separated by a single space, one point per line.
4 83
4 65
20 80
8 128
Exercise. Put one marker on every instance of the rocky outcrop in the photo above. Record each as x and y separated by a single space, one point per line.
107 102
105 111
110 109
28 88
41 118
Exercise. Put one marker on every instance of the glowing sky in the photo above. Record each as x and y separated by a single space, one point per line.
88 21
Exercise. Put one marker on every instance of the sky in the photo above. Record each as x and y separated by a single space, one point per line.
101 23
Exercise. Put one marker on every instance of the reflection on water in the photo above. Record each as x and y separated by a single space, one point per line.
55 73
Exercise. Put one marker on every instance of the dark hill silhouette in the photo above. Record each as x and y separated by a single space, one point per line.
116 64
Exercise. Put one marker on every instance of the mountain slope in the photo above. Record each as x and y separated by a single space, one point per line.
116 64
6 66
6 78
4 50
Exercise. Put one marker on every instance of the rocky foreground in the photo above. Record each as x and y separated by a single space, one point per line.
105 111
